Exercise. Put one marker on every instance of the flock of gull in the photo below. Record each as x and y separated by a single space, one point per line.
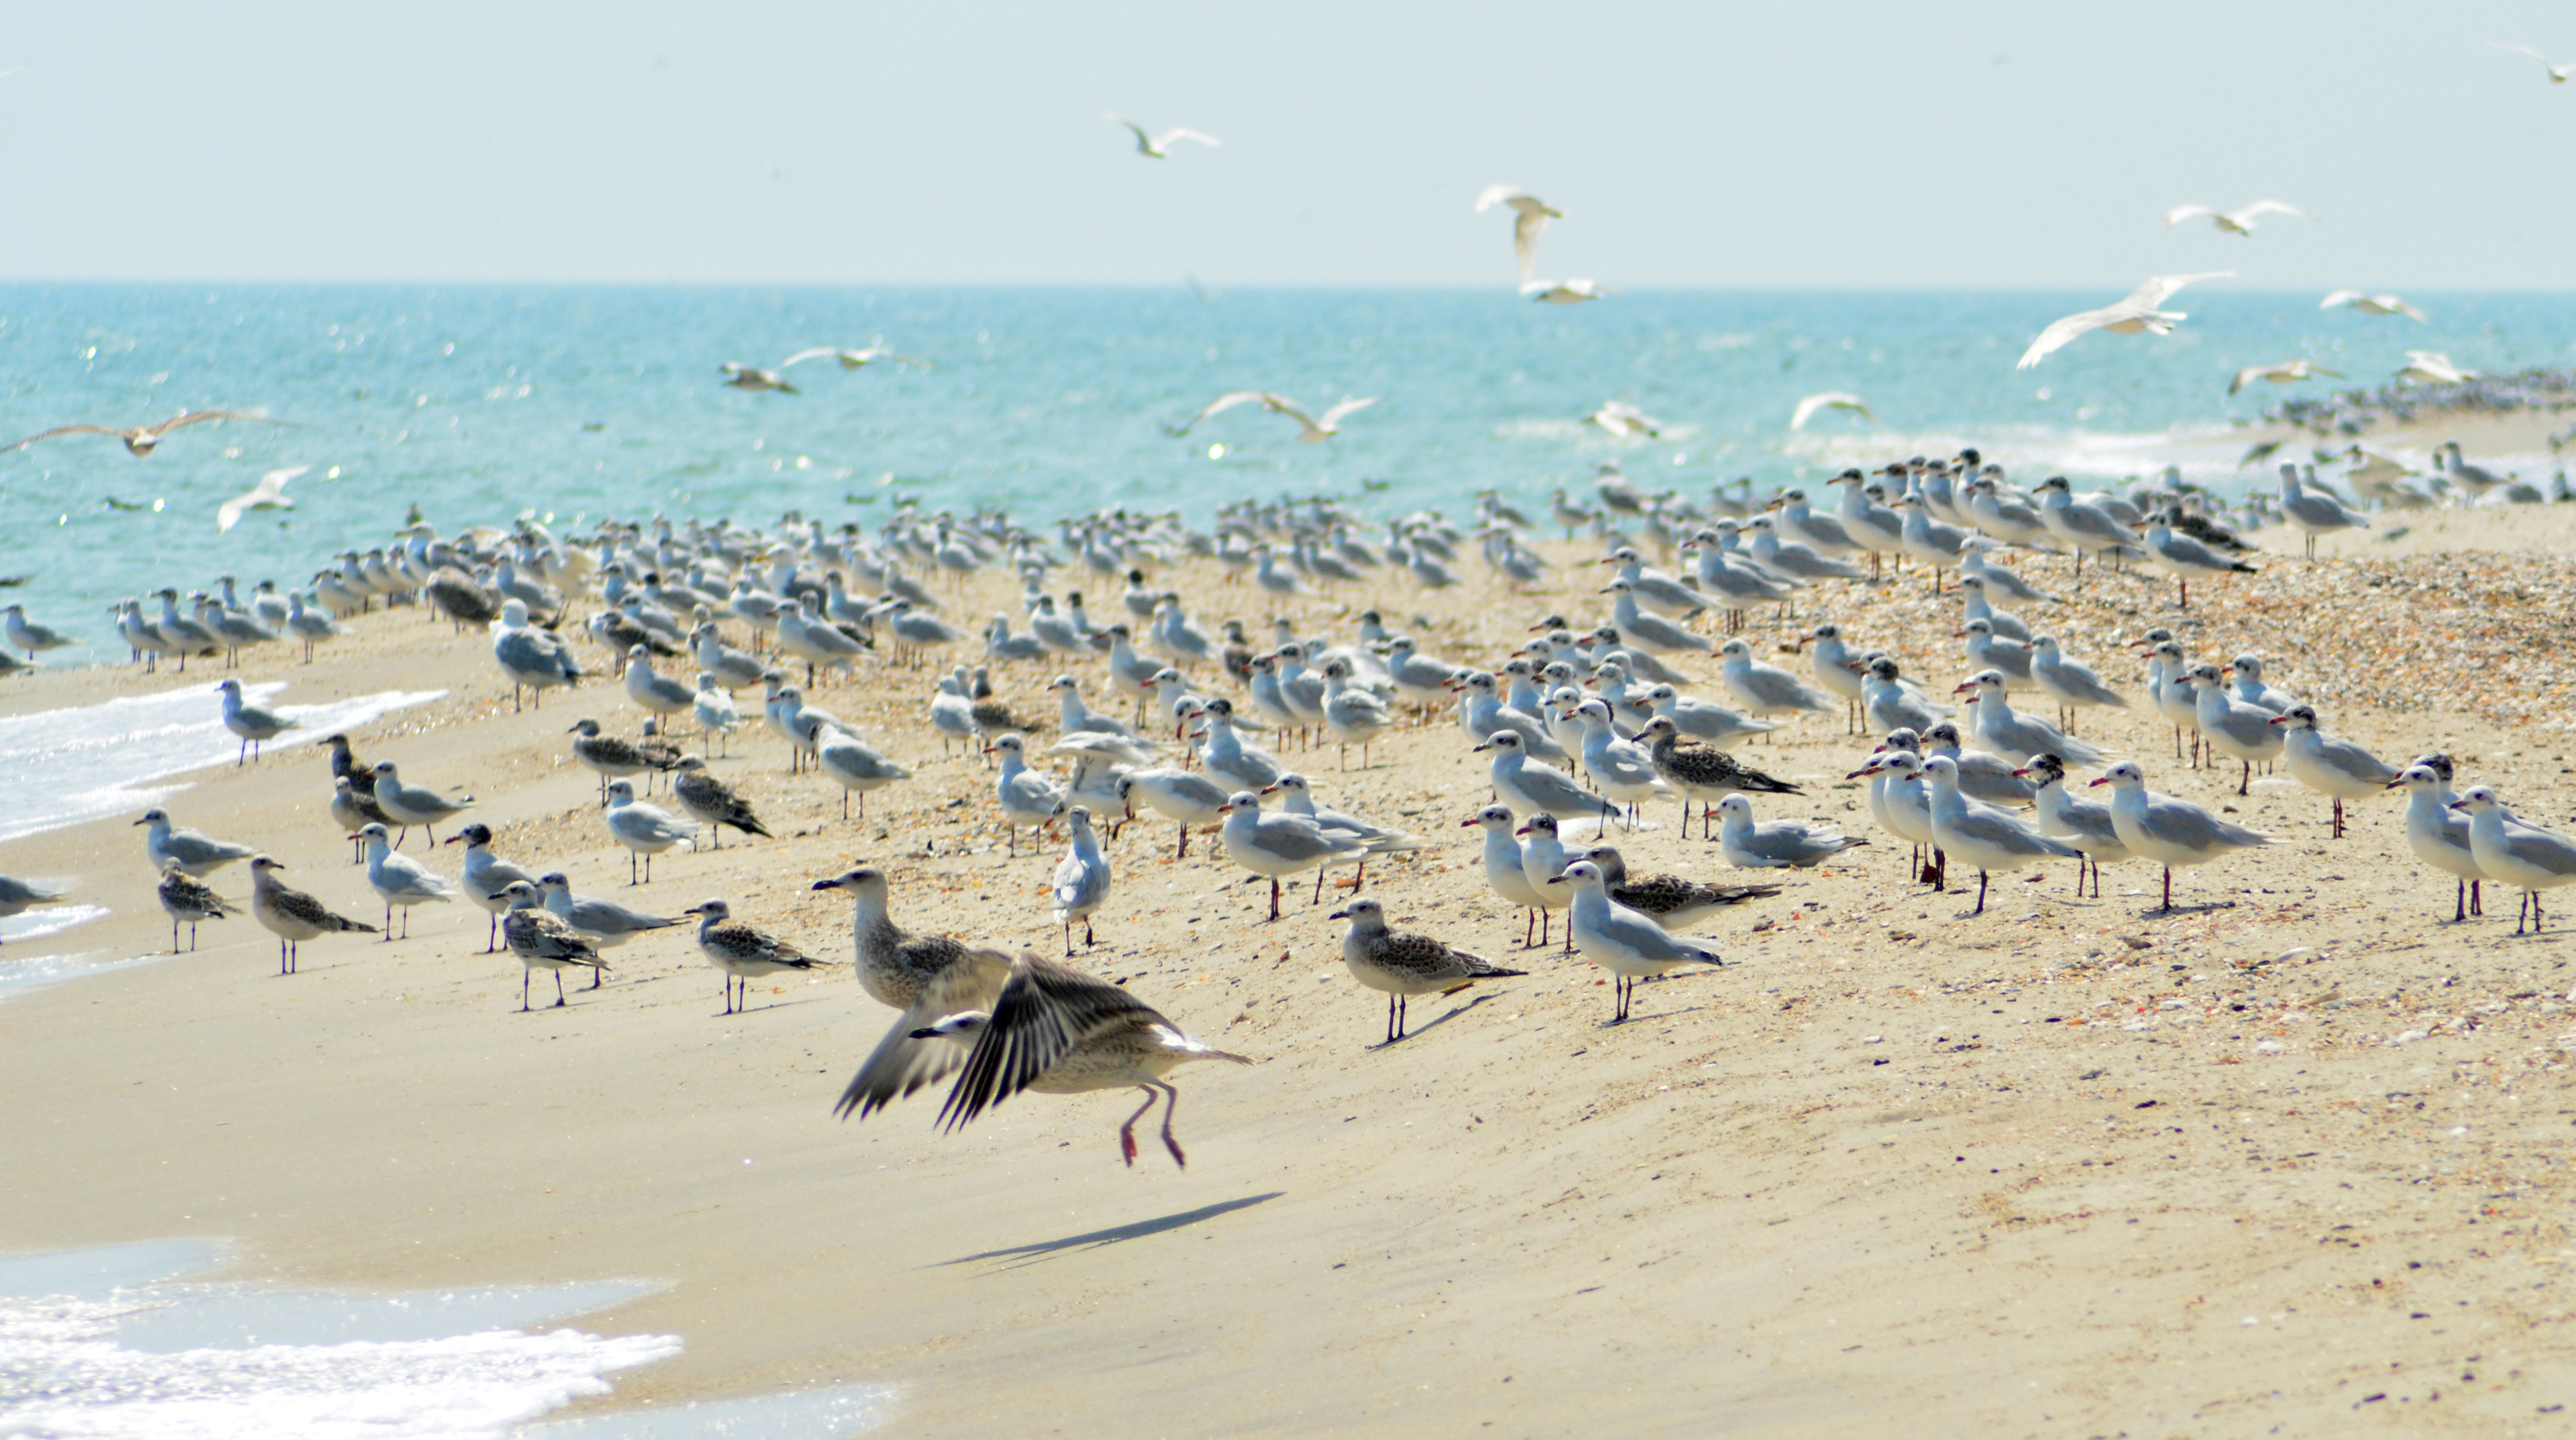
1584 727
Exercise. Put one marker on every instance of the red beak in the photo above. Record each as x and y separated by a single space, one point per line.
2105 780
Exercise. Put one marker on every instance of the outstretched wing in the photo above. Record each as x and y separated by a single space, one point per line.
1333 416
1494 195
270 492
901 1064
61 430
2269 207
2156 289
1144 142
817 353
200 417
1831 399
2340 297
1223 402
1165 139
1045 1011
2185 212
2055 337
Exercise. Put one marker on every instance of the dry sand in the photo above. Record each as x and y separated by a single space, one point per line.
2294 1156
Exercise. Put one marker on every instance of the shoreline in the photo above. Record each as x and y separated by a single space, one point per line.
1774 1164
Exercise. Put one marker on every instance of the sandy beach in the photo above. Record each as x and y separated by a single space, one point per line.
2294 1155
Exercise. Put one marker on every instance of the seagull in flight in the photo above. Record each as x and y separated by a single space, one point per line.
1564 292
755 380
143 440
2432 367
2235 222
2288 372
1156 147
1624 420
1829 400
2373 305
1534 214
851 359
1309 428
268 494
2136 313
2557 73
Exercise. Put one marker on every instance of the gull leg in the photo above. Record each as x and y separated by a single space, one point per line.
1127 1132
559 995
2247 778
2460 914
1274 897
1981 893
1171 1102
2477 902
2168 887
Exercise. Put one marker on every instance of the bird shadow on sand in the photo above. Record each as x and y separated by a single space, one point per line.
1093 1239
1431 1025
2160 912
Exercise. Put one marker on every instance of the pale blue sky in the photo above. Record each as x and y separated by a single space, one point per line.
1688 144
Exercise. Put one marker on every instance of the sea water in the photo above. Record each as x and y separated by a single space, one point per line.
114 1342
481 404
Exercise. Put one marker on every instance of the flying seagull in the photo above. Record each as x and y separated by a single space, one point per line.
2128 317
2557 73
2432 367
851 359
1309 428
755 380
1829 400
1564 292
268 494
1155 147
2286 373
2373 305
1534 214
1623 419
142 440
2236 222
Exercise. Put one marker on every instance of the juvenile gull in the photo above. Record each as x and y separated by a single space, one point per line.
541 939
613 757
1274 845
2166 830
1624 941
741 953
2439 834
254 725
199 854
291 915
1671 899
1702 773
1406 965
712 802
2333 767
402 881
185 899
1774 844
1058 1031
645 830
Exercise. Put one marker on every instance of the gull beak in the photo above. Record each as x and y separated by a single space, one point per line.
1524 830
1463 824
1964 687
142 822
1269 789
1604 590
450 840
2105 780
1339 915
2022 774
1488 745
1856 774
2393 784
824 885
2278 720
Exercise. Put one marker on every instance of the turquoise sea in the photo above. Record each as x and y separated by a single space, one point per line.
481 403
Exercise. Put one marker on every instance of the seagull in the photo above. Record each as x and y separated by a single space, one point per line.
741 953
1058 1031
2557 73
2432 367
291 915
539 938
193 851
1621 939
2235 222
254 725
2515 851
1157 147
2167 830
144 439
852 359
1829 400
1309 429
2127 317
755 380
2317 514
1564 292
2288 372
2333 767
268 494
2438 834
1774 844
183 899
2373 305
1534 214
1405 965
1625 420
401 880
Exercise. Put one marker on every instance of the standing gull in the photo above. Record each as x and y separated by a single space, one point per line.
195 852
486 876
1272 845
2169 831
254 725
740 953
186 899
645 830
1703 774
711 802
2079 823
1671 899
2331 766
410 805
2515 852
1624 941
1407 965
1985 837
401 880
542 939
1080 885
2439 835
605 923
291 915
1506 868
1767 690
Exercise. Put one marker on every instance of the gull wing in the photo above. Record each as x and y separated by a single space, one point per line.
817 353
900 1064
62 430
2402 308
2185 212
200 417
2340 297
1333 416
1223 402
1494 195
2269 207
1831 399
2252 373
2156 289
1144 142
269 492
2055 337
1045 1012
1167 137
